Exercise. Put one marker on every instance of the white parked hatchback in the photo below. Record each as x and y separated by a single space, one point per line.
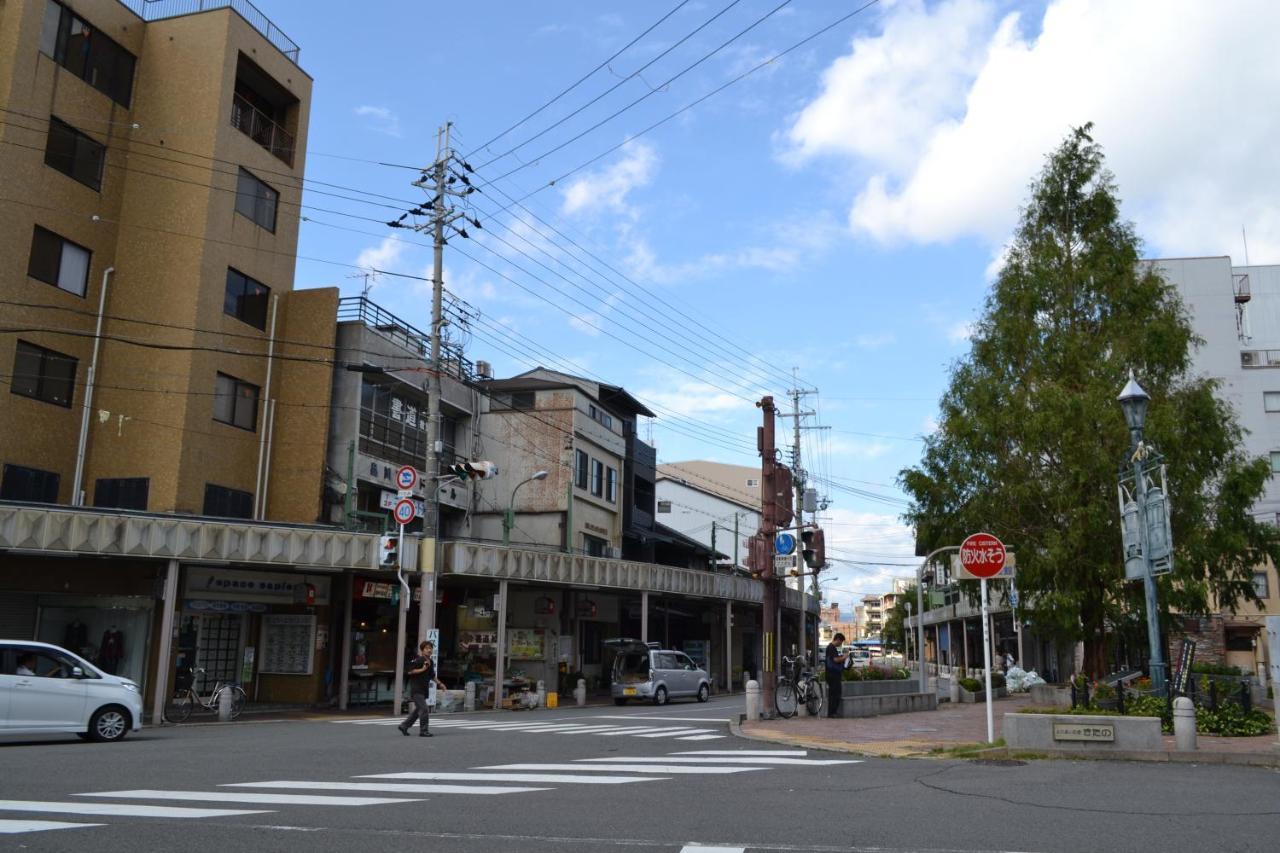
45 689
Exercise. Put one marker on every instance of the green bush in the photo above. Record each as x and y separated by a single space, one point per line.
1231 720
1215 669
1104 691
876 673
973 685
997 680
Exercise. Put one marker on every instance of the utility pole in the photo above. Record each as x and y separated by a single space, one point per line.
800 480
773 481
435 180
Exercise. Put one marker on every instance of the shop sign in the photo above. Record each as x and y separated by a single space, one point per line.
205 605
1105 732
477 640
378 590
265 587
387 500
527 643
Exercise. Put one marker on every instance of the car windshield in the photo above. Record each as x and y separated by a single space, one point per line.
632 666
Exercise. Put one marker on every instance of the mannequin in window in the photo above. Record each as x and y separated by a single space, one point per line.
111 651
76 636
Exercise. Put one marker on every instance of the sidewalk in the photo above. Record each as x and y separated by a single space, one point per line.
922 734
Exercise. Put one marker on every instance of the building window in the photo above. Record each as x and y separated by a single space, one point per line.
580 469
84 51
1271 401
611 485
57 261
664 506
753 483
246 299
1275 462
235 402
74 154
1260 585
597 477
256 200
394 428
43 374
227 503
595 546
122 492
523 400
19 483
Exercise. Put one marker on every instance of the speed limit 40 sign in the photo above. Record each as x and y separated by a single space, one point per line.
982 556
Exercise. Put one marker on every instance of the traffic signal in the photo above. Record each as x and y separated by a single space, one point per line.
474 470
813 547
760 557
388 552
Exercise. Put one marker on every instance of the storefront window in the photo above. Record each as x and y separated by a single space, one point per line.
114 635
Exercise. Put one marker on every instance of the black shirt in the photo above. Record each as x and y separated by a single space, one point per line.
833 665
420 682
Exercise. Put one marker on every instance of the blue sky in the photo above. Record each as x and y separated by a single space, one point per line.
839 211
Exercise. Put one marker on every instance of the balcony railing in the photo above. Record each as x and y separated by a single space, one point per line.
155 10
259 127
362 309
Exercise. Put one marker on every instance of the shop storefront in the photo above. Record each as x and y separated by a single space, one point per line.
267 631
374 603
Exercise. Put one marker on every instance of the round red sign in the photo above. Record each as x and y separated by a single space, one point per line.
982 555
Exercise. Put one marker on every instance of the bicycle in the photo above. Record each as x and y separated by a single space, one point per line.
178 709
800 688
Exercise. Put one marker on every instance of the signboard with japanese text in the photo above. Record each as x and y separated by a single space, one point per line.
1007 572
1097 732
527 643
265 587
1182 666
288 644
387 500
982 556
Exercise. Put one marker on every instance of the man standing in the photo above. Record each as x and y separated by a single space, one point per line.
835 674
422 674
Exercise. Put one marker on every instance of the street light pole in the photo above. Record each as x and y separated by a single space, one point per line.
906 640
509 517
924 678
1133 402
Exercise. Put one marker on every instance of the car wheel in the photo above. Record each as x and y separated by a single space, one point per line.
109 723
619 701
660 696
703 693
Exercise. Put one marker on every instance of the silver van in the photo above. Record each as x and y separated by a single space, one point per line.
645 671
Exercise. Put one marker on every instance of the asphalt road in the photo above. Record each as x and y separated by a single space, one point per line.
594 779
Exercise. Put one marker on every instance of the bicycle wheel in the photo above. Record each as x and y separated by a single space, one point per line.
238 698
179 707
813 699
784 699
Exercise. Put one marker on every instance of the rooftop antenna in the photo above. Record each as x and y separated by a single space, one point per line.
1245 238
369 277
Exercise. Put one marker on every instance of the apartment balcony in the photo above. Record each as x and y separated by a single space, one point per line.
259 127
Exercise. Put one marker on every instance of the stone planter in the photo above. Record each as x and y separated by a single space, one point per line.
880 688
969 697
1050 696
1082 733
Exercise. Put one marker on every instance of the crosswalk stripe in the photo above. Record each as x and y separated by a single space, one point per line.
266 799
12 827
703 720
119 809
698 848
641 729
701 737
588 730
517 777
403 788
624 767
674 732
775 753
706 759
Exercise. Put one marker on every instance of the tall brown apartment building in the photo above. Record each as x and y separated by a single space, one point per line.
164 393
151 181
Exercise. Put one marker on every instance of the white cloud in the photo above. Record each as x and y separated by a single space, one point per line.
1175 89
861 449
960 332
689 398
866 546
382 256
607 188
383 120
875 341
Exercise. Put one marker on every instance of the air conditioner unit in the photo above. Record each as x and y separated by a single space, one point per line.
1248 358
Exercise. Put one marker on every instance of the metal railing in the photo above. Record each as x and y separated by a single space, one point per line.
261 128
156 10
363 310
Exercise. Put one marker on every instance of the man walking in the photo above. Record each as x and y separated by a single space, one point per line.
422 674
835 674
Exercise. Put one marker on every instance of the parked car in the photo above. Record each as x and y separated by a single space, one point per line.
45 689
644 671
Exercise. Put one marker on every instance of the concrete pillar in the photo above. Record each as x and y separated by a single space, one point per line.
753 700
500 665
344 671
728 646
1184 724
165 647
644 616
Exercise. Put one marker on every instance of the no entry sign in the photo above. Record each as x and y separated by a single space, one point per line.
982 556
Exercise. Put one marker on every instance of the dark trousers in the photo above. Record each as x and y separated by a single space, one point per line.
419 712
834 682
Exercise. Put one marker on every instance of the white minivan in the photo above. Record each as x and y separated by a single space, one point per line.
45 689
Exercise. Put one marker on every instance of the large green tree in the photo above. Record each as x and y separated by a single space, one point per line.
1030 435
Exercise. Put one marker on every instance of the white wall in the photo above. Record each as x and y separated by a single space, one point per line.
1206 287
692 512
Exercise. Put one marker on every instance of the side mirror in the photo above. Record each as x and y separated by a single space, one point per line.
77 672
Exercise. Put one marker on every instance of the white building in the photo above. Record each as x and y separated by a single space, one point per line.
692 503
